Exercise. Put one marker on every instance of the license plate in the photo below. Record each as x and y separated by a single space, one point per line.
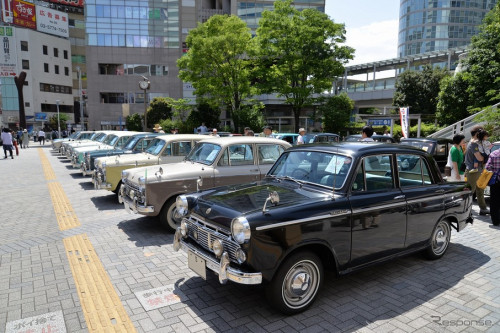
197 264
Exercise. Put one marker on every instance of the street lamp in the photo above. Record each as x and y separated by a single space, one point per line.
58 120
145 85
80 95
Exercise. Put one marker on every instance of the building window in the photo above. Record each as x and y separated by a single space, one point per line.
56 69
54 88
24 45
66 71
27 104
26 64
56 52
65 54
45 50
46 67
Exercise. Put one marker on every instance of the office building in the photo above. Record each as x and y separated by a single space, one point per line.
431 25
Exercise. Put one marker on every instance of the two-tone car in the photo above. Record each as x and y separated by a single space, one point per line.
163 149
95 139
137 143
117 139
81 135
340 207
152 191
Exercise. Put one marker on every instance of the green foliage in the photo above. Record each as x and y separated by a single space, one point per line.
63 118
217 62
492 119
134 122
298 54
249 116
419 90
159 108
426 129
169 124
336 113
453 99
203 113
482 63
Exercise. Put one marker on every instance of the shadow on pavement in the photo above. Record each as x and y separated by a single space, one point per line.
146 231
87 185
107 202
349 303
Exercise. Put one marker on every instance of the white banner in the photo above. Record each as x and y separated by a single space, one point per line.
8 54
404 116
52 21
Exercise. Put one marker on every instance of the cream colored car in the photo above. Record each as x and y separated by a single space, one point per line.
213 162
163 149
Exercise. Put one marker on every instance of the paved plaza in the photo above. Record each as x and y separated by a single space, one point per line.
48 269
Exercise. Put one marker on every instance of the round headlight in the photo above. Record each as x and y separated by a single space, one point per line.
142 180
124 173
103 164
241 256
184 229
217 247
181 203
240 229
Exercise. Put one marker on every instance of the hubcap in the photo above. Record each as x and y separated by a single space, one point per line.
440 241
300 284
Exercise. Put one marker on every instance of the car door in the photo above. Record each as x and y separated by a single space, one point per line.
378 210
424 197
236 165
267 154
175 151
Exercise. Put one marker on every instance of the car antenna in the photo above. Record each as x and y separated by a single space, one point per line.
335 172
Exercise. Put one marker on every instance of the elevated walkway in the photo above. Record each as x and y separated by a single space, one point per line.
463 126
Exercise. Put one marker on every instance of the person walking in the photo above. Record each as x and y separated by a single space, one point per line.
300 138
41 136
26 139
457 158
19 136
366 134
493 165
472 158
14 142
267 132
7 142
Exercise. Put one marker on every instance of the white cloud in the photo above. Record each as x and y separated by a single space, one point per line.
373 42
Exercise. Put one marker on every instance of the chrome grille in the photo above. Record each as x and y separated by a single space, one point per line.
201 232
132 190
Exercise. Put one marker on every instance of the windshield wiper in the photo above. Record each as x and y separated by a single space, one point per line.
291 179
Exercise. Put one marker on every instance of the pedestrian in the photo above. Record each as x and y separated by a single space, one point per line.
300 139
19 136
214 133
245 131
472 172
456 158
41 136
14 142
203 129
484 144
26 139
493 165
35 135
250 133
366 134
267 131
7 142
64 134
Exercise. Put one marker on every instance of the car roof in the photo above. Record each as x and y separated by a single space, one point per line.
243 139
427 139
323 134
179 137
359 148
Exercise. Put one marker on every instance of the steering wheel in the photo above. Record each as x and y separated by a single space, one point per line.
300 173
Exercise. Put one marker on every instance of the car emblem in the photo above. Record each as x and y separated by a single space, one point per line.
208 211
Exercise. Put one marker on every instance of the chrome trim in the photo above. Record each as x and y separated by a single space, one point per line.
201 219
364 210
135 207
414 201
282 224
222 268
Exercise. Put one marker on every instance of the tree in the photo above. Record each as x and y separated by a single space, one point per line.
299 54
63 118
134 122
336 113
217 64
159 108
453 99
482 64
204 113
419 89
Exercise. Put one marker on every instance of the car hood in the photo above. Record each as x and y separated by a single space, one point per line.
224 204
171 171
83 149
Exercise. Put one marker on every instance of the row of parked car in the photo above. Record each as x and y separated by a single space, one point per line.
256 210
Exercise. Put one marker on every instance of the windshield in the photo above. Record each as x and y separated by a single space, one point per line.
111 139
325 169
204 153
74 135
155 147
102 137
352 138
122 141
129 145
309 138
426 146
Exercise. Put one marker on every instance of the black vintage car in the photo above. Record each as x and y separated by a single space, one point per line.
340 207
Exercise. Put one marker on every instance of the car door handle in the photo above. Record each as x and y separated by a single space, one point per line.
254 170
441 191
399 197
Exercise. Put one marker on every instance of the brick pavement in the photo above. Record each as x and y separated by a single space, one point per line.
460 293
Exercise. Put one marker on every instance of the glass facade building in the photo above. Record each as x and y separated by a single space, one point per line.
432 25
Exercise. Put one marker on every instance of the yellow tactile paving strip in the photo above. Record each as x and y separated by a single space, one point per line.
47 168
100 303
66 216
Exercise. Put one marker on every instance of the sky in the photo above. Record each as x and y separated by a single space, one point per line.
371 27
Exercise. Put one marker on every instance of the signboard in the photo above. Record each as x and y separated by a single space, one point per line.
40 116
8 54
24 14
7 15
74 3
379 122
159 297
52 21
404 115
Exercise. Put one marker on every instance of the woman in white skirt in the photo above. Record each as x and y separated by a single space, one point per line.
456 159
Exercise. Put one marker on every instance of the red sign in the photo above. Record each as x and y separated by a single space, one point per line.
74 3
24 14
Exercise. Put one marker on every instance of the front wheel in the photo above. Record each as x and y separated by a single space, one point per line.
169 218
296 283
440 240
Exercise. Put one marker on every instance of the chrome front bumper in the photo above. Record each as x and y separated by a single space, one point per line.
98 182
132 206
221 268
85 172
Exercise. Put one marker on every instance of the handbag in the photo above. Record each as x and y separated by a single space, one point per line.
494 179
484 179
